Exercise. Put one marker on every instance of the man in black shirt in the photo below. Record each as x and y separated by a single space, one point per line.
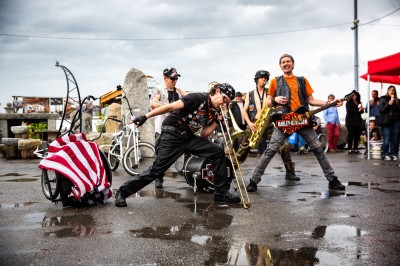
187 115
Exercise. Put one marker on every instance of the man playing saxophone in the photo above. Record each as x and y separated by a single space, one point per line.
255 101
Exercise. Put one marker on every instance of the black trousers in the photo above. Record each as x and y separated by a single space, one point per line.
170 146
353 137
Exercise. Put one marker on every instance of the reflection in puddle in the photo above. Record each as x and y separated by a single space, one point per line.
329 194
367 185
73 226
16 204
21 180
221 250
335 237
158 194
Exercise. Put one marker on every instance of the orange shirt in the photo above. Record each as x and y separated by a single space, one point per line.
294 95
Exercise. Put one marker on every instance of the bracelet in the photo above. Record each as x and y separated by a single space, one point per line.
273 101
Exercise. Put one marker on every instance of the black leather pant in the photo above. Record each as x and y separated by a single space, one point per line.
170 146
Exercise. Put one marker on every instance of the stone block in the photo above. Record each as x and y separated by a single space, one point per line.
10 141
29 144
20 130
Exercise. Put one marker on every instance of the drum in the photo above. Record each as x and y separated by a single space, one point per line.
198 172
375 149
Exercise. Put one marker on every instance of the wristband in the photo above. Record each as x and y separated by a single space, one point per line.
273 101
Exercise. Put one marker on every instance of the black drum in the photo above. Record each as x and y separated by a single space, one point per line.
200 169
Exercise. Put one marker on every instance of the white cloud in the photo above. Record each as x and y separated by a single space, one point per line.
324 55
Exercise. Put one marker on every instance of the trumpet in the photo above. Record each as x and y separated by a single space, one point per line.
241 185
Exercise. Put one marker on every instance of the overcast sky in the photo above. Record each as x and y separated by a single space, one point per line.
221 40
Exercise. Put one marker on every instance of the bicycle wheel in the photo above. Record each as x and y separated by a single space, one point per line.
146 155
50 180
112 159
107 167
324 142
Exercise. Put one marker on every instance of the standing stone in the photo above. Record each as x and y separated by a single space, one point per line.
135 86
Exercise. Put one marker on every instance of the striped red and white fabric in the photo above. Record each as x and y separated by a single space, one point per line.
78 160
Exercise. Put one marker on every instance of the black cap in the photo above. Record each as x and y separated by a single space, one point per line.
261 73
227 89
171 73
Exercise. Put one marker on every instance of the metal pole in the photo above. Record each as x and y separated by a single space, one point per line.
355 28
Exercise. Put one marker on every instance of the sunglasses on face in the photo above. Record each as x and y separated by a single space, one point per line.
174 79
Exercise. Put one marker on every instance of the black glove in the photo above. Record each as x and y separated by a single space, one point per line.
139 120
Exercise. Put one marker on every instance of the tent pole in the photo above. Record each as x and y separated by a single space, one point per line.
369 112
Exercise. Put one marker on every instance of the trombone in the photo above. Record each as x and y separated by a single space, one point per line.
241 185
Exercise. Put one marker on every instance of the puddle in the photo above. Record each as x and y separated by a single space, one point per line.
332 241
159 194
16 204
71 226
334 237
329 194
12 174
21 180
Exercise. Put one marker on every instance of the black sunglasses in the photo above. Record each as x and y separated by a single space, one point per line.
173 79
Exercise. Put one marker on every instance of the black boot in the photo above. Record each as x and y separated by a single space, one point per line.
120 201
223 194
252 186
335 184
159 182
226 196
290 173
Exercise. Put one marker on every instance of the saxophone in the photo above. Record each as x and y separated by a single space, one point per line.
261 125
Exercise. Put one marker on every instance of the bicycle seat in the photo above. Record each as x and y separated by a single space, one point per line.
118 134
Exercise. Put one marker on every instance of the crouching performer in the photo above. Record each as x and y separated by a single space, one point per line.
187 115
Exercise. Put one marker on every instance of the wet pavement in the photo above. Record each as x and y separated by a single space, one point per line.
288 223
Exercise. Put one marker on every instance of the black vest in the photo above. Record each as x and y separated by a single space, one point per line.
282 89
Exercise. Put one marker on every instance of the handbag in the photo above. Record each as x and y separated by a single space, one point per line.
382 120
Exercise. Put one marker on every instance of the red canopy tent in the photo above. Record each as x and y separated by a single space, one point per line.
384 70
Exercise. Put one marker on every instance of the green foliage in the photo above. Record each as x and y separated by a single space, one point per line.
36 130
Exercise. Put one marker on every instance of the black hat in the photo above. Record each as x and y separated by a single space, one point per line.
171 73
238 94
261 73
227 89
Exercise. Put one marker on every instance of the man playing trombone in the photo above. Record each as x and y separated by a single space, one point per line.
187 115
161 97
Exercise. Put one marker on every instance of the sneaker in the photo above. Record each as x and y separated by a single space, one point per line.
387 158
331 150
159 182
251 187
335 184
226 196
120 201
302 149
395 158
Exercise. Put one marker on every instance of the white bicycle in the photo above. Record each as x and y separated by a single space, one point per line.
127 148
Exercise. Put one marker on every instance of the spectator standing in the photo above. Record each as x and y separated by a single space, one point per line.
354 122
373 104
389 106
332 124
170 93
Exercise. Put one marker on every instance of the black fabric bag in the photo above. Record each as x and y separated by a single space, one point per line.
382 120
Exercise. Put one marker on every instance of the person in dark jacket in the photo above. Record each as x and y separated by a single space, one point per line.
354 122
389 105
